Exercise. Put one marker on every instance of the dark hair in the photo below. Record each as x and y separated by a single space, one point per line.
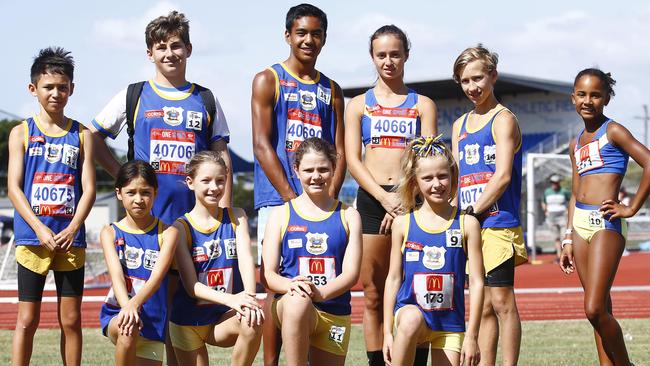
53 60
316 144
305 10
166 26
395 31
606 78
134 169
205 156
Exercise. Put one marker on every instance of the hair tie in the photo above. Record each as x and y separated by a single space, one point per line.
428 146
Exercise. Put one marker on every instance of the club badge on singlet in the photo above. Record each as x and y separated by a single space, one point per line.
391 128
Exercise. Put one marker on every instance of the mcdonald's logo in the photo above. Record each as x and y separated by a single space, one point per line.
165 166
215 277
584 153
46 210
434 283
316 266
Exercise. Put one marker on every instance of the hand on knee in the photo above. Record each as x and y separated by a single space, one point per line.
127 342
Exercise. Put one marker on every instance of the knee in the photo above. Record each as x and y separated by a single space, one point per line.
27 322
372 299
127 341
250 332
410 322
594 311
295 307
504 305
70 320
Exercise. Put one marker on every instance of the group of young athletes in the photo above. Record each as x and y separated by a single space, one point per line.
429 216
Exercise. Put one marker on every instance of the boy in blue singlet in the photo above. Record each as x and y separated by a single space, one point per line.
291 102
171 122
51 183
487 145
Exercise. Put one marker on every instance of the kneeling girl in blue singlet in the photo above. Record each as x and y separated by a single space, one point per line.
139 250
424 295
311 259
596 241
216 304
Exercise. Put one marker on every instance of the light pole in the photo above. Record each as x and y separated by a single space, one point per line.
645 120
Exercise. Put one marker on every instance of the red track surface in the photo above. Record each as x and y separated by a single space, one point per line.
633 271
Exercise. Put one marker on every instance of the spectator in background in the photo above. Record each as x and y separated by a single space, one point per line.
623 197
554 204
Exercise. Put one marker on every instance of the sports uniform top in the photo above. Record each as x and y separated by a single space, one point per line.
314 248
138 252
433 263
51 180
171 125
599 155
556 201
477 152
214 254
390 127
303 109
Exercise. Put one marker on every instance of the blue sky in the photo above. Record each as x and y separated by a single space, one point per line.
234 40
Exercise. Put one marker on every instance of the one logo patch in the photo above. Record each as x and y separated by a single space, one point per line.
70 155
133 257
307 100
289 83
173 115
316 243
39 139
337 334
36 151
434 257
412 256
154 113
296 229
454 238
291 97
294 243
472 154
434 283
198 255
150 258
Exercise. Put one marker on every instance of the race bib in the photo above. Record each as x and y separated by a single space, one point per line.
133 286
301 125
319 270
471 188
588 157
392 128
434 291
171 150
53 194
595 219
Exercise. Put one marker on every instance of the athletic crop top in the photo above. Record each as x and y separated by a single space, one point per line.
390 127
303 109
433 265
214 255
599 155
315 247
51 180
477 152
138 252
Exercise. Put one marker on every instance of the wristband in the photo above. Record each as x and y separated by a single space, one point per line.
469 210
568 232
566 242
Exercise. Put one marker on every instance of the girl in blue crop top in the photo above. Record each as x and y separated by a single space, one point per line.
595 244
382 121
216 304
424 296
138 250
312 257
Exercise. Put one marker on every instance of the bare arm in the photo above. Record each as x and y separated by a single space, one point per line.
428 116
566 257
351 261
470 354
244 254
102 153
455 132
339 142
15 176
507 137
262 102
271 252
622 138
118 283
221 147
65 238
394 278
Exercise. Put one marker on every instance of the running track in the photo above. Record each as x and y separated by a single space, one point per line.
543 293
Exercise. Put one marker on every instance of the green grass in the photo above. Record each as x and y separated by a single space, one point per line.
544 343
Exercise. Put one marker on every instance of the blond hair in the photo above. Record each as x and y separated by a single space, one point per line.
421 148
489 59
202 157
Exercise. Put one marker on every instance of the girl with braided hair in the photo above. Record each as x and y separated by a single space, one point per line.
430 246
